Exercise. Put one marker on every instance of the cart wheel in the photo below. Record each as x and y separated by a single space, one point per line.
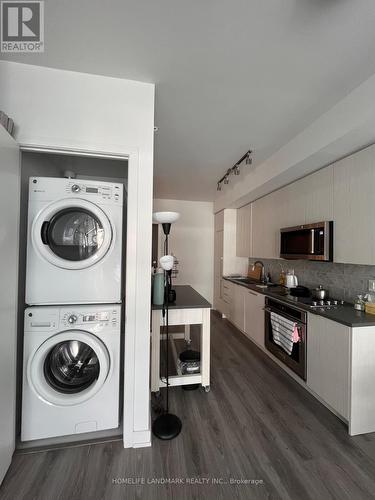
207 388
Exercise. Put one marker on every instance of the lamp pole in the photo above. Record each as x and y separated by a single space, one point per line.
166 426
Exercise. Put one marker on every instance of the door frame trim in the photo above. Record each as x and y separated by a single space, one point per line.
136 406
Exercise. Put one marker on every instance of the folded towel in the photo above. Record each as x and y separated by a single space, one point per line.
285 332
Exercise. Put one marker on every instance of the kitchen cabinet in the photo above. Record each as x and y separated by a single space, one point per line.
226 261
328 362
254 316
243 232
238 308
292 204
218 266
354 208
265 228
318 196
227 294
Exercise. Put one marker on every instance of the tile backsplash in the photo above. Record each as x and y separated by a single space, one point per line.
343 281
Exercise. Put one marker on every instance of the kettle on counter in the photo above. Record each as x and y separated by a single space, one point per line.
291 280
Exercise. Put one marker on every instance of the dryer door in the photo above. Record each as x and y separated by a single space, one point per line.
69 368
72 234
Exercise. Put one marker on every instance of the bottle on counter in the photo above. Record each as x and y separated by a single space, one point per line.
282 278
158 288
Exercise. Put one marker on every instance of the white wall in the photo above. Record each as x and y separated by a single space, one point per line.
9 203
64 109
192 242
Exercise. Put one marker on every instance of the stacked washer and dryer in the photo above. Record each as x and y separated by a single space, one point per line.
71 367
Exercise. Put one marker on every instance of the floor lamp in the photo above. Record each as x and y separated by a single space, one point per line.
167 425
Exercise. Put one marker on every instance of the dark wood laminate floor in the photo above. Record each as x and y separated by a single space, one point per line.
255 424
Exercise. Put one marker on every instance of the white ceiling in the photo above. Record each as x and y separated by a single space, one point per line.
230 74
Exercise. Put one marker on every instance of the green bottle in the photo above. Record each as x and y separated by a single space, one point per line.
158 288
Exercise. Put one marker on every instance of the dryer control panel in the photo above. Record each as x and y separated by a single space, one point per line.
104 191
53 188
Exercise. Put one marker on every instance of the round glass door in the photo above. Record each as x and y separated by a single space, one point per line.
73 234
71 366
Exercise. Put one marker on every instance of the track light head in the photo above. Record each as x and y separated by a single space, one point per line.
218 186
236 170
249 160
226 179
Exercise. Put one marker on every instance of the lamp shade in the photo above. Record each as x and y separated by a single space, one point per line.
167 262
165 217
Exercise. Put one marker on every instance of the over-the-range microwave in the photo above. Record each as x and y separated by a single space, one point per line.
310 241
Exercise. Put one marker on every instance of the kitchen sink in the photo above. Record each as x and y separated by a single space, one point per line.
249 281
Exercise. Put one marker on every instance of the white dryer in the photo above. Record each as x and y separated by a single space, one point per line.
74 241
71 370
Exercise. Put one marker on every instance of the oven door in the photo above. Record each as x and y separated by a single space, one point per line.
296 361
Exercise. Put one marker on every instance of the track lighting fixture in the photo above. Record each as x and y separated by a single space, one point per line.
235 169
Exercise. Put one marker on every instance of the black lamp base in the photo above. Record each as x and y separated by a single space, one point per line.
166 426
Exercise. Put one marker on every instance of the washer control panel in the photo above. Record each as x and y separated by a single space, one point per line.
89 318
105 192
82 318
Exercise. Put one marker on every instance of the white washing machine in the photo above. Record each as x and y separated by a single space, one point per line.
71 370
74 242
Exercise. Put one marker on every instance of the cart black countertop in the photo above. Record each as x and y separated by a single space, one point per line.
186 298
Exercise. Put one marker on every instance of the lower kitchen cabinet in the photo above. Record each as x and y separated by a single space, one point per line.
227 298
239 307
254 316
328 362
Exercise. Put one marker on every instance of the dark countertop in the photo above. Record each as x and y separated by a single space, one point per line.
186 298
346 314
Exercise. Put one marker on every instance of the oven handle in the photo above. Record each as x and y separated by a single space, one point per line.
295 320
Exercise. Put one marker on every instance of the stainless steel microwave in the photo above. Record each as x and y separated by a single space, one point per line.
310 241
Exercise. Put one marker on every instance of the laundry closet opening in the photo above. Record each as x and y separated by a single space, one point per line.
76 237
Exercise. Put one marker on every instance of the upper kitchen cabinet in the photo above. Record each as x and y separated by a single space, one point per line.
354 208
267 218
308 200
244 232
263 228
318 196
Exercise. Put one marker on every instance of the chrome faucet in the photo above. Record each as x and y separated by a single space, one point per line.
262 274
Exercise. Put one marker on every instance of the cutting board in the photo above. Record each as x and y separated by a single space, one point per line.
254 274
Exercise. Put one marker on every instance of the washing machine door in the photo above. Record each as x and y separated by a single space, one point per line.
72 234
69 368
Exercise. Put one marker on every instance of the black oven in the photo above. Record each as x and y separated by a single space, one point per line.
311 242
296 361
